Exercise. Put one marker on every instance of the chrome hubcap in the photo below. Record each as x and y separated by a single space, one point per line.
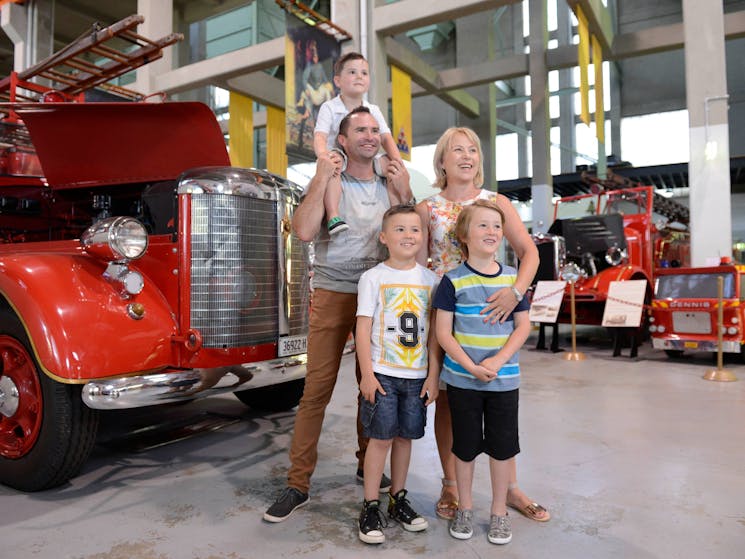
9 397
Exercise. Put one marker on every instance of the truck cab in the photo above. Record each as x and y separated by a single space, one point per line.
684 315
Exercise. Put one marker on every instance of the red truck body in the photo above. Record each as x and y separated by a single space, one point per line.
614 235
685 310
137 267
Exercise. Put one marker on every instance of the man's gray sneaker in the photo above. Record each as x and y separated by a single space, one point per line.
461 527
290 500
385 481
500 529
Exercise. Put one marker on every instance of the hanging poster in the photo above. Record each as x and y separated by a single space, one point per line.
309 71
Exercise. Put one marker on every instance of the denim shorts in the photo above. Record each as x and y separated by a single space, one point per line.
400 413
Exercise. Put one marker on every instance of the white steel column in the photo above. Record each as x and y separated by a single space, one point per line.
566 101
707 100
542 186
30 27
158 23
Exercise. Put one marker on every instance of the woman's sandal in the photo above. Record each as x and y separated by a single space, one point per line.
533 511
445 508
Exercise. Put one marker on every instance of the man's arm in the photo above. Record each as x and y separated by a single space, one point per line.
306 222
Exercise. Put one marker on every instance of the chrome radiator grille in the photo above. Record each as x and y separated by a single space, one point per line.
236 272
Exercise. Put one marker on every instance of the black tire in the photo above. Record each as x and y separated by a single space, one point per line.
274 398
674 353
64 433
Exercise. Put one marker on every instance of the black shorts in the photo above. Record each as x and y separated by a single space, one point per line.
484 421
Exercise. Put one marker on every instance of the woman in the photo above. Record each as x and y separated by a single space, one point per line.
460 176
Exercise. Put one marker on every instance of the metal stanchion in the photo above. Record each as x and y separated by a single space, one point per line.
720 374
571 273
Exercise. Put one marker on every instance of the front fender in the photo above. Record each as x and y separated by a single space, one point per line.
597 286
78 323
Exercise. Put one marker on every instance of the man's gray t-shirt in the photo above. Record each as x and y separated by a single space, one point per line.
341 259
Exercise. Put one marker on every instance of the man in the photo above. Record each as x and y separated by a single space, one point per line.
339 262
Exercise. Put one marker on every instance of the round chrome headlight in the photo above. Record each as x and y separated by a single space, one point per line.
116 238
732 330
615 255
653 328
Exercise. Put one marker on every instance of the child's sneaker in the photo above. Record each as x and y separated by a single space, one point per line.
399 509
461 527
372 522
500 529
336 225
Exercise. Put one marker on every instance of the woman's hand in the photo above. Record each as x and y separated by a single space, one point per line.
500 304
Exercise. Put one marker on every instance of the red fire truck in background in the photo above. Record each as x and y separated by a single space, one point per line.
136 266
685 309
621 232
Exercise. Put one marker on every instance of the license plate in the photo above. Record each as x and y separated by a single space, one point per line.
690 345
292 345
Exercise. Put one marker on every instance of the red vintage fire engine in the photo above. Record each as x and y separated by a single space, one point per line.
622 232
137 267
685 309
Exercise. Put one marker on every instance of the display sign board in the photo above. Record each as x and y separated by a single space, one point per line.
625 303
546 301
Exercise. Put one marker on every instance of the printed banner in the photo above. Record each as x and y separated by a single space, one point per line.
597 61
309 72
584 62
401 102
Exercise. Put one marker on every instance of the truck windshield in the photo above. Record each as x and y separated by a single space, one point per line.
694 286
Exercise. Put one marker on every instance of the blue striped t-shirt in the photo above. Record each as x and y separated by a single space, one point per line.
463 291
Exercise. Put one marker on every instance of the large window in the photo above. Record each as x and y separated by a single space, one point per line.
655 139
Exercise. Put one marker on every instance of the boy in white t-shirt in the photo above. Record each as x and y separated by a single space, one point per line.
398 381
352 77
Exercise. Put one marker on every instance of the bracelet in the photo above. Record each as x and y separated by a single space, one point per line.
516 292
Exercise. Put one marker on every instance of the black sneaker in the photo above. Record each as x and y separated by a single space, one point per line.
290 500
399 509
372 522
385 481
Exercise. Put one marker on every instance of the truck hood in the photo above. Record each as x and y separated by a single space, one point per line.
91 144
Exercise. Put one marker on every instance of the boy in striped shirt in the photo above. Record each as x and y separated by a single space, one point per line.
481 366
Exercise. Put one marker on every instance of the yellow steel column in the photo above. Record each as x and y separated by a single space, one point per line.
241 130
276 150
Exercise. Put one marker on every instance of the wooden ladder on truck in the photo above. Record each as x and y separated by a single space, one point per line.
95 58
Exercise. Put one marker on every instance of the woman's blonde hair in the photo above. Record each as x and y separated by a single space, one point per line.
463 222
441 181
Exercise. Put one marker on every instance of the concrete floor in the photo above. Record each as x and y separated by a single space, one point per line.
634 458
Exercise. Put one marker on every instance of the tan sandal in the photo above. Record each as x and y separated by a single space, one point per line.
533 510
445 508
